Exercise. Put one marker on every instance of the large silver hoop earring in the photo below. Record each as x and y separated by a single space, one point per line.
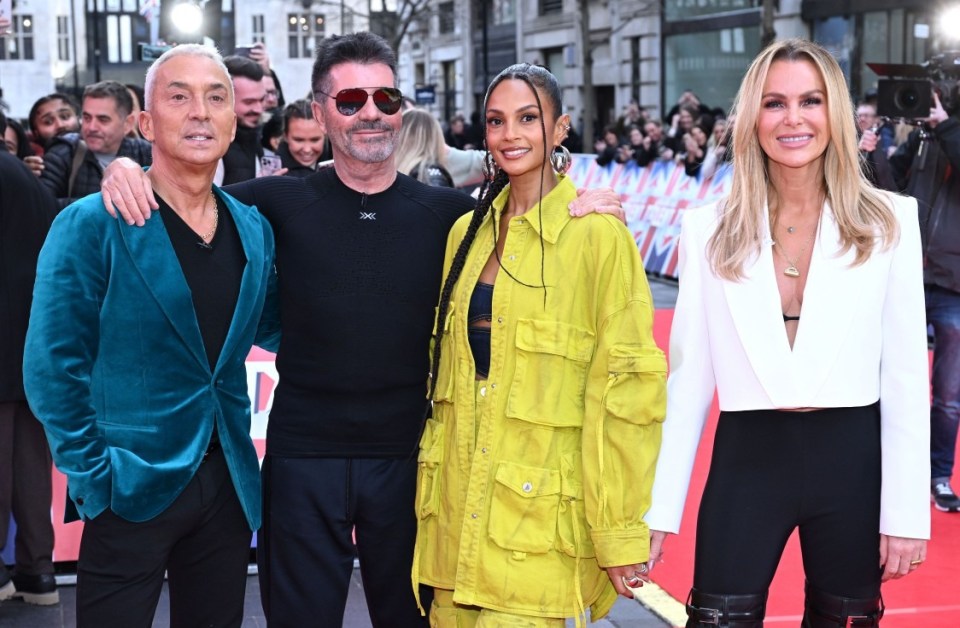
560 159
489 167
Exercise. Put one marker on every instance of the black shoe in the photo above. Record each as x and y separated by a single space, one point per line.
40 590
7 590
944 498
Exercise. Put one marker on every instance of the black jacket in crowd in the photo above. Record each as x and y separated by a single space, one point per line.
26 211
58 163
935 182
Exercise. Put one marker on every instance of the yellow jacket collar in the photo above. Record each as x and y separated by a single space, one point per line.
552 216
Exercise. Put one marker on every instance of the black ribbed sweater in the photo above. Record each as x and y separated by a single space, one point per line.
359 280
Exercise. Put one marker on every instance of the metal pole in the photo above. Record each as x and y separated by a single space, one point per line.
73 45
486 55
96 42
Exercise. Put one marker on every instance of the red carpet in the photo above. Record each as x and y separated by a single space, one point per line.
929 598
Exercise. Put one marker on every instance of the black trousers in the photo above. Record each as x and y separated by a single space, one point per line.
774 471
25 487
202 541
305 548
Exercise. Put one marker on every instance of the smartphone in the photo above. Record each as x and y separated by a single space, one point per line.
269 164
242 51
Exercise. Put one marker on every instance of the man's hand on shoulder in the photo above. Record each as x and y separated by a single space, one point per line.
599 200
126 188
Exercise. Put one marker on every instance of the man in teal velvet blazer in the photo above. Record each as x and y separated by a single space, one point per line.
135 365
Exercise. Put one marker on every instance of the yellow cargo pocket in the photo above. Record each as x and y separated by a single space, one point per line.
446 372
637 384
551 374
523 509
573 536
428 471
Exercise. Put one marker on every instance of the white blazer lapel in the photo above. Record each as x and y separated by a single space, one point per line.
754 304
830 305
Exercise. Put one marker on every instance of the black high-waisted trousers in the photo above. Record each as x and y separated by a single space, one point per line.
773 471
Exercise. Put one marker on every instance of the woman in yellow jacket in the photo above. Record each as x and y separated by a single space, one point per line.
537 464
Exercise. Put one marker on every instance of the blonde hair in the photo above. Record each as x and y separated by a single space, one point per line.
861 211
420 144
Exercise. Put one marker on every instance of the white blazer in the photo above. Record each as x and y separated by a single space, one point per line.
861 337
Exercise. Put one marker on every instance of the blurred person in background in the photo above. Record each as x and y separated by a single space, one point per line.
136 94
53 115
304 143
74 163
607 146
421 151
15 137
26 211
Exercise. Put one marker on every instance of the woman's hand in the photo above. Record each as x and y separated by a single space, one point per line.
900 556
656 548
632 576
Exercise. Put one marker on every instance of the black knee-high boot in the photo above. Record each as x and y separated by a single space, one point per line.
725 611
824 610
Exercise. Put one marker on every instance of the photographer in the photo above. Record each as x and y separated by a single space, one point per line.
874 157
927 166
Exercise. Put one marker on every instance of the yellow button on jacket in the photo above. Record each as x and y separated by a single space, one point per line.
521 504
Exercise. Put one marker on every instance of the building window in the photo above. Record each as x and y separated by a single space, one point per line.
551 7
711 64
18 45
304 30
496 13
63 38
553 59
120 24
689 9
445 15
258 30
119 47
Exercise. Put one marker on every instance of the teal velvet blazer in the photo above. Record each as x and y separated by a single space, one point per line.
115 368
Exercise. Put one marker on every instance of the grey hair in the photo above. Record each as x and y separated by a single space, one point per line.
192 50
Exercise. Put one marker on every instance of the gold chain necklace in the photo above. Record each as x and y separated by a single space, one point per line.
792 270
206 237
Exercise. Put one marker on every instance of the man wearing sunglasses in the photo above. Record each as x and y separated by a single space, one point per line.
359 254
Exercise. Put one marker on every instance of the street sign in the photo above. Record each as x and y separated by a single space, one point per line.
425 94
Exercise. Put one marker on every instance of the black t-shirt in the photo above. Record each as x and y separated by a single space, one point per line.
213 272
359 280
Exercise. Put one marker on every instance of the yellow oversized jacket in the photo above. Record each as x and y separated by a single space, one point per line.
521 506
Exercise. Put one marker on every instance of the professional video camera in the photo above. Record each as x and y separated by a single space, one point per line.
904 91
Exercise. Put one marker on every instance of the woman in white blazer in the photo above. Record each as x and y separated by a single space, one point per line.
801 304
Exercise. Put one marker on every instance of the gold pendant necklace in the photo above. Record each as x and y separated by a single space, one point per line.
791 270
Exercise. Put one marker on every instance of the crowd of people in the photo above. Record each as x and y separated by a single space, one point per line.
691 134
543 472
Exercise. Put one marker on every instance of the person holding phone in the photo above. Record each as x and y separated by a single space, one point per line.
245 159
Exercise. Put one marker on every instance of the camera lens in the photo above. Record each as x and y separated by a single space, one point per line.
906 98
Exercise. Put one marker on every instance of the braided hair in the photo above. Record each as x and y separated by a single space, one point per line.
539 79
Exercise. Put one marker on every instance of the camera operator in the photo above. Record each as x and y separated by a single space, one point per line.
927 166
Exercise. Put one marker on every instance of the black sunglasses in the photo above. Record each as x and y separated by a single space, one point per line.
350 101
